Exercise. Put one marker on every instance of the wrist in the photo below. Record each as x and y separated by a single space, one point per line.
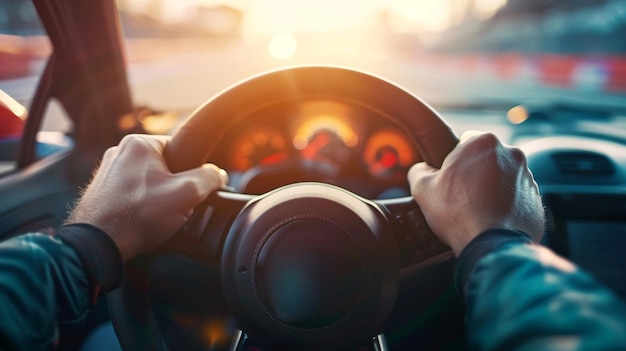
482 245
83 218
99 255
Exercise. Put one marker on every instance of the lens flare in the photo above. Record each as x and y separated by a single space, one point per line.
517 115
282 46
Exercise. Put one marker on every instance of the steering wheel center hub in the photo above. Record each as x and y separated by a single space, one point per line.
308 273
310 264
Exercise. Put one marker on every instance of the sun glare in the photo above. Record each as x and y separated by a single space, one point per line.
487 8
282 46
288 15
429 15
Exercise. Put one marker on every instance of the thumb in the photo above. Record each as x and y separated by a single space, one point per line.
206 178
419 176
418 171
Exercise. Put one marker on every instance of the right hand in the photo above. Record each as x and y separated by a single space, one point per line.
482 184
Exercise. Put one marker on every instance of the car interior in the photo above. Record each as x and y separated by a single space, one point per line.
316 243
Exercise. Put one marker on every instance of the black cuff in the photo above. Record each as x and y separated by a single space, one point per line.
481 246
99 255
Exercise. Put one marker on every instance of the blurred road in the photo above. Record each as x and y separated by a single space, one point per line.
182 81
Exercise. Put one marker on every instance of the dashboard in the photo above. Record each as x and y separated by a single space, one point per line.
582 179
319 139
583 183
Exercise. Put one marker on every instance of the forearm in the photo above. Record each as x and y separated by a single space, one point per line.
521 296
45 283
42 283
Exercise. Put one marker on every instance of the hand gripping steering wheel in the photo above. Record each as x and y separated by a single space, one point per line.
308 265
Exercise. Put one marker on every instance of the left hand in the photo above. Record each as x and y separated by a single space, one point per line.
135 198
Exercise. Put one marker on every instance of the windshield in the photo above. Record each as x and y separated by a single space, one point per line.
452 53
447 51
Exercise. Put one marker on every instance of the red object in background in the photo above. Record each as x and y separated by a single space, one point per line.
507 66
471 64
557 70
602 73
18 54
617 74
12 116
14 65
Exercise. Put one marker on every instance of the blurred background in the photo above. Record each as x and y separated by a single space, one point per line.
451 52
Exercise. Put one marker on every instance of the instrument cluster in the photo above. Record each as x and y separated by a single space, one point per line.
319 140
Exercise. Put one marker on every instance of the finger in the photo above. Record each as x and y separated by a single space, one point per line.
470 134
418 171
159 141
205 179
464 141
222 174
420 177
144 141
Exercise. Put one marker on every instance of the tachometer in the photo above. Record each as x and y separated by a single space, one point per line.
388 151
260 146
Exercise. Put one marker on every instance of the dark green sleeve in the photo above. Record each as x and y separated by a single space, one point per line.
521 296
47 281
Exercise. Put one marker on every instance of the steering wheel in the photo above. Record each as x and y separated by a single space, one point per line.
308 265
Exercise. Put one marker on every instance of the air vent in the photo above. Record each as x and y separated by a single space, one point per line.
583 163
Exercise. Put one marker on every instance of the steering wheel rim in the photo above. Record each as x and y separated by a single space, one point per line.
197 137
195 140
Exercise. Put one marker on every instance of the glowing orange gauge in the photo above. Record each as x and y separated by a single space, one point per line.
332 124
261 146
387 151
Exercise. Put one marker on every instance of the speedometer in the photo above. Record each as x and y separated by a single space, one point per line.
388 151
325 137
260 146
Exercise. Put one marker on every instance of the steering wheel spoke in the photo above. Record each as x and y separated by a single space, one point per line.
243 342
417 244
202 237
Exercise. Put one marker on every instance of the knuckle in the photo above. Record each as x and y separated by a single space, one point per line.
518 155
110 152
480 144
127 140
134 144
133 140
487 141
